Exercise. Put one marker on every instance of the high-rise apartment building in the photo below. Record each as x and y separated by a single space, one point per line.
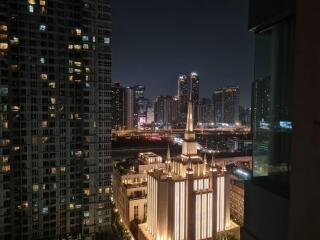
118 95
226 105
280 198
189 198
183 90
195 91
205 113
166 110
129 107
55 111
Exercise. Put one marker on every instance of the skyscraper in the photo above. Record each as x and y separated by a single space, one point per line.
183 89
118 95
226 105
189 199
129 107
141 105
205 112
55 86
166 110
195 91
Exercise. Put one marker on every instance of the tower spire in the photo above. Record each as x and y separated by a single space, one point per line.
168 159
205 158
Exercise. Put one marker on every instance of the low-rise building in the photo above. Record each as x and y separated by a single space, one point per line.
236 201
130 186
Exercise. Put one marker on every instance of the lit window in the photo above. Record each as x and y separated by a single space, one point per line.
42 60
53 100
15 108
100 190
78 64
77 47
45 210
52 85
85 46
3 46
43 27
35 188
42 3
44 124
71 206
86 214
93 39
16 148
53 170
31 9
14 41
3 36
5 124
32 2
100 220
6 168
87 192
106 40
87 70
85 38
70 46
44 76
4 28
77 31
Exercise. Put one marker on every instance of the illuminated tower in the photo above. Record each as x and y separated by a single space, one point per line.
188 199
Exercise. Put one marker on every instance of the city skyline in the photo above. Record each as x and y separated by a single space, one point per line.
206 48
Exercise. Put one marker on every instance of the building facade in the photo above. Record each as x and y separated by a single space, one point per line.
166 110
226 105
130 187
55 111
118 95
189 199
205 112
129 108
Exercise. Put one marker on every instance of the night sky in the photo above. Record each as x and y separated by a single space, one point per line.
156 40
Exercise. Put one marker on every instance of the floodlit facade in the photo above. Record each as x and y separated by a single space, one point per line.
189 199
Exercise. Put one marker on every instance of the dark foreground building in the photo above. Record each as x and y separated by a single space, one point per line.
55 111
281 199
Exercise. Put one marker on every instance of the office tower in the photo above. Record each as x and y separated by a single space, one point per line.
129 107
118 95
55 115
189 198
226 105
205 113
